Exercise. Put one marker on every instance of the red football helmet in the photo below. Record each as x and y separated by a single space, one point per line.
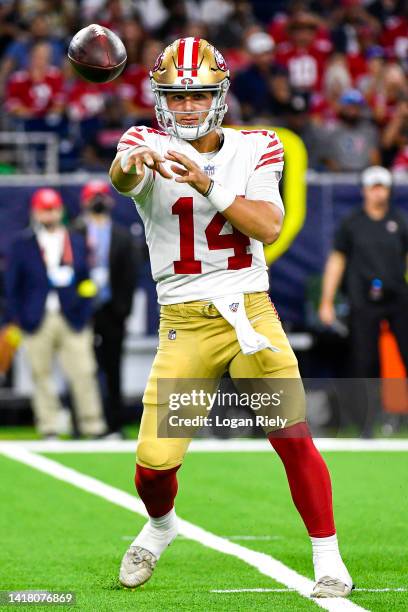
46 198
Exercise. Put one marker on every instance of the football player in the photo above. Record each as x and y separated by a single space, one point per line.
209 199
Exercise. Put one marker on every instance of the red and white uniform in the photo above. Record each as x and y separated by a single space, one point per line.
195 252
305 66
395 37
38 96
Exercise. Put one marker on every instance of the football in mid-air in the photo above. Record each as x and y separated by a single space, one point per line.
97 54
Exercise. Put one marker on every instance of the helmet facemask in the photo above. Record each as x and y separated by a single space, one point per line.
209 119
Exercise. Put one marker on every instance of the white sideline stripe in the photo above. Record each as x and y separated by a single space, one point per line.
390 590
202 446
263 563
259 590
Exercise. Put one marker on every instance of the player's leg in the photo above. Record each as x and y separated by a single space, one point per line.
182 347
307 473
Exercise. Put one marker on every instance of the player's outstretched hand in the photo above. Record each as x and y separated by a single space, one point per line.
188 171
143 156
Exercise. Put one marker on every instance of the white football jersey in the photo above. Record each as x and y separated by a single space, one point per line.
195 253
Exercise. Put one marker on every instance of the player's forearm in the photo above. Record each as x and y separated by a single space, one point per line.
121 181
255 218
333 273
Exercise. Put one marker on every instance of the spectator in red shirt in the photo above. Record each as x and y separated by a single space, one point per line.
367 38
38 91
394 37
86 103
135 90
304 55
17 54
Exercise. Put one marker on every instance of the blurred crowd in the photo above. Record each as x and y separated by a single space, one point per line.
333 71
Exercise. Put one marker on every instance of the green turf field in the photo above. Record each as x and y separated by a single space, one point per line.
58 537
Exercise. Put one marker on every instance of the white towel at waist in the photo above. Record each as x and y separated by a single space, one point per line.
232 308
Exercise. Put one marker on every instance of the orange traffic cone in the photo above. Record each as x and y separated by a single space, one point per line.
394 387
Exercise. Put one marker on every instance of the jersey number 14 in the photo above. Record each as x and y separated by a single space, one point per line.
215 240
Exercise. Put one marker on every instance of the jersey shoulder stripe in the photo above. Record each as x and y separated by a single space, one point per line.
137 136
269 149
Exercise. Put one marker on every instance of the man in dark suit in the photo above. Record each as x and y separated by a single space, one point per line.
113 269
48 293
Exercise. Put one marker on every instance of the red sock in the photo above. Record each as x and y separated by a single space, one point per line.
157 489
308 477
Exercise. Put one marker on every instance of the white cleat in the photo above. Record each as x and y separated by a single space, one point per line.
137 566
331 587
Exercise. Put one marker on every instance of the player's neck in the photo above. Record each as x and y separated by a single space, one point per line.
208 143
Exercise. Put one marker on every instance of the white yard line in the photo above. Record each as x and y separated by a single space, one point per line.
202 445
262 538
263 563
386 590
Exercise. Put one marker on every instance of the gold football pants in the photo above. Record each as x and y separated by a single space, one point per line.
196 342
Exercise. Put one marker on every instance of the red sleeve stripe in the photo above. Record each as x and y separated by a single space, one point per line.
135 135
272 154
273 143
126 141
274 160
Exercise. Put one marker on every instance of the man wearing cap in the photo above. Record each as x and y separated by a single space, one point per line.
47 289
353 143
113 268
370 248
263 88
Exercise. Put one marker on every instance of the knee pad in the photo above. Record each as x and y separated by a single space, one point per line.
152 454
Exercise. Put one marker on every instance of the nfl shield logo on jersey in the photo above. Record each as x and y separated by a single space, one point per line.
172 334
209 169
234 306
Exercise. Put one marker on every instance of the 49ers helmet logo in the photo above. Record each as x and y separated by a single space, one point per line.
221 63
187 81
158 62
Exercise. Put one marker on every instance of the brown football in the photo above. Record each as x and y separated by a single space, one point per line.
97 54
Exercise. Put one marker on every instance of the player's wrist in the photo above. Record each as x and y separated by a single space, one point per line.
220 197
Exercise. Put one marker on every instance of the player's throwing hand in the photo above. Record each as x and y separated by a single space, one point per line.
144 156
189 173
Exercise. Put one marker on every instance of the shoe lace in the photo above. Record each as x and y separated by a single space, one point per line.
139 556
329 581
